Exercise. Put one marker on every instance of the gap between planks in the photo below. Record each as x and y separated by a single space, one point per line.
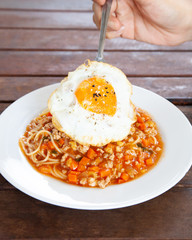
45 10
86 50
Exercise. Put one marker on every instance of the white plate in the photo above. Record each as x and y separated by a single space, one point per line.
175 130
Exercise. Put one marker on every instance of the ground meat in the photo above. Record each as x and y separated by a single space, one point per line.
83 149
91 166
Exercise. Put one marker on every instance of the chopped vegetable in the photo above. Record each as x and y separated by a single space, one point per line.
74 172
61 141
81 168
125 176
72 177
139 119
94 169
120 180
144 148
142 126
54 151
44 146
45 137
128 157
104 173
49 114
147 142
50 145
85 161
149 161
78 159
91 153
74 165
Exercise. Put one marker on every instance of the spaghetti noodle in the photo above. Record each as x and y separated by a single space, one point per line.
53 153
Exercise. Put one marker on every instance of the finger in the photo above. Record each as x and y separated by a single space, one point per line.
97 9
96 22
100 2
115 34
113 24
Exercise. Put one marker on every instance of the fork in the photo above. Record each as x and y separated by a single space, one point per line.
104 20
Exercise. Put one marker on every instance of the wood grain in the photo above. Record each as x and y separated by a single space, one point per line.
60 63
165 217
59 5
12 88
50 20
73 40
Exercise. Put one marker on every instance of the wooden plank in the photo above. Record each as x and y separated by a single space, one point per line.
60 63
83 5
3 106
165 217
12 88
60 20
73 40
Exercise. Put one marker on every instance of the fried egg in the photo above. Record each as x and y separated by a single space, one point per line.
92 105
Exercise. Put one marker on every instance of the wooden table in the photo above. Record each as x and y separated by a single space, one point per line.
40 42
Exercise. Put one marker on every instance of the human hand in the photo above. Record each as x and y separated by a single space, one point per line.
161 22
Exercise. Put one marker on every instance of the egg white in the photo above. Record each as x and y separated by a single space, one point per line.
86 127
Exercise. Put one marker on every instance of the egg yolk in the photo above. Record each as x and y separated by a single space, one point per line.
97 95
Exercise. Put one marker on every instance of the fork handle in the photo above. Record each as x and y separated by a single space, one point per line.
104 20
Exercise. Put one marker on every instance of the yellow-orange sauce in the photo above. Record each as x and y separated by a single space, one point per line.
54 154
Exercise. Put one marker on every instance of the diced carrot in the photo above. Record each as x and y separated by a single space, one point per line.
142 126
61 141
75 172
91 153
85 161
145 142
139 119
50 145
128 157
49 114
151 141
146 117
74 165
104 172
72 178
120 180
149 161
94 169
125 176
138 164
102 164
44 146
81 168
